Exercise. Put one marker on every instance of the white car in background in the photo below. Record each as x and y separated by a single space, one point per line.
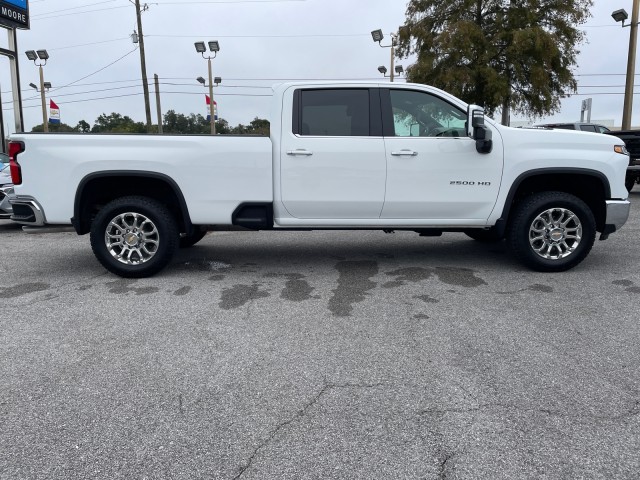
6 187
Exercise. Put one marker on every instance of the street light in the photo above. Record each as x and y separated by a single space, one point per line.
399 70
378 36
621 16
43 56
217 81
214 46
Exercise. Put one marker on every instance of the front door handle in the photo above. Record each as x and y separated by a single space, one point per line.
299 151
404 152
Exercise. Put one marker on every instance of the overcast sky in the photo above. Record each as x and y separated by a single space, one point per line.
262 42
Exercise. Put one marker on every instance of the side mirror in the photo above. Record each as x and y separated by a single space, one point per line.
477 129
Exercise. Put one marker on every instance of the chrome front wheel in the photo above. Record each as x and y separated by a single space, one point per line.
551 231
555 233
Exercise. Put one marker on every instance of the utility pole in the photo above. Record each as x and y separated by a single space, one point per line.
158 108
45 123
145 83
393 55
631 67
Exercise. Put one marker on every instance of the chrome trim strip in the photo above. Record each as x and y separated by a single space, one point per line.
35 207
617 213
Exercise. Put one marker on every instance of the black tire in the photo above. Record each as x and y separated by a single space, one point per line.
484 236
190 239
556 248
153 229
629 182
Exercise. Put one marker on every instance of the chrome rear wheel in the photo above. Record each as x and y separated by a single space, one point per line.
134 237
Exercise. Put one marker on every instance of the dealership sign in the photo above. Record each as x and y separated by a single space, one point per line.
14 14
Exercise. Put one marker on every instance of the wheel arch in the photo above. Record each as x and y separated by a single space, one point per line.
591 186
97 189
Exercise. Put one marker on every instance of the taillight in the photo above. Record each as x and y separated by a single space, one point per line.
16 171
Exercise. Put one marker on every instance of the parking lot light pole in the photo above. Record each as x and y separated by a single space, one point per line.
377 36
43 56
621 16
214 46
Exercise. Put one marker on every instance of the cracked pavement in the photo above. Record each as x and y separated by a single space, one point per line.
333 355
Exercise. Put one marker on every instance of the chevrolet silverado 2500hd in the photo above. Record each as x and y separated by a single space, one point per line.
340 156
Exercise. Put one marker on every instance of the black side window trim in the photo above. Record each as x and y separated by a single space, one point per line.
375 110
296 112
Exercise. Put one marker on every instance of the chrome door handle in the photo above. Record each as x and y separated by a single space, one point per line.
404 152
300 151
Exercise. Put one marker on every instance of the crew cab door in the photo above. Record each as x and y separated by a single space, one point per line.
434 170
332 157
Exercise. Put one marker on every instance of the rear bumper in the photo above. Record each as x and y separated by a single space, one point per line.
617 215
27 211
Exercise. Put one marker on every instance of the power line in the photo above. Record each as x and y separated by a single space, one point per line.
97 71
89 44
72 8
140 93
80 13
309 35
57 14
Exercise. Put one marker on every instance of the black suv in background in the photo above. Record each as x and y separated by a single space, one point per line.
584 127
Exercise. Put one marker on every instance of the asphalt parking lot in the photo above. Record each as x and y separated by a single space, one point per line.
319 355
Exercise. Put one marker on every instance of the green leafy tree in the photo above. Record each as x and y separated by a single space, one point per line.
116 123
83 127
258 126
503 54
54 127
191 124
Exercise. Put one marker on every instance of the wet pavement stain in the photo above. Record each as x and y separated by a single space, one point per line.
124 287
23 289
536 287
296 289
182 291
462 277
216 278
239 295
84 287
421 316
631 288
409 274
353 284
426 299
540 288
203 265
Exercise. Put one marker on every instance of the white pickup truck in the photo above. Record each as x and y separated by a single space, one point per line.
340 156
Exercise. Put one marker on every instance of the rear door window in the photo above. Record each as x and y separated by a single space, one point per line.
334 112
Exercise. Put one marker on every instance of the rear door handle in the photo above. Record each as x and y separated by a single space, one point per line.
404 152
299 151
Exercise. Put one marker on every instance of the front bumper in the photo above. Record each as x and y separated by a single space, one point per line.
27 211
617 215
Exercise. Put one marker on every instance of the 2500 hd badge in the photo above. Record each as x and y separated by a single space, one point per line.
469 183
